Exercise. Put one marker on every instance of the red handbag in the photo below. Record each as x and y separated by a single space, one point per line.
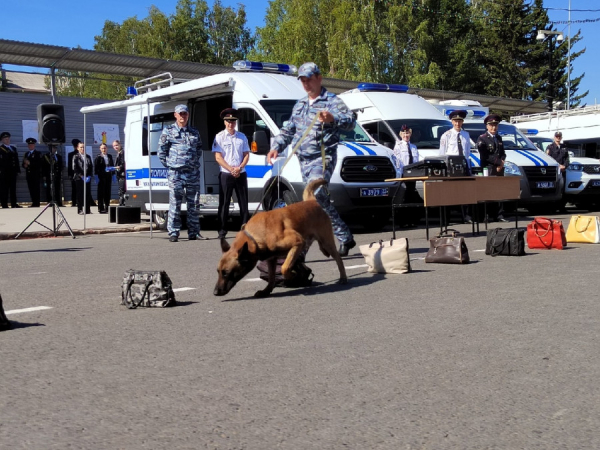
546 233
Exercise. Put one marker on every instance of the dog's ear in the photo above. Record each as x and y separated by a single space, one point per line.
244 253
225 245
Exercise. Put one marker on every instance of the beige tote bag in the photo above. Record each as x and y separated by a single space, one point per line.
387 256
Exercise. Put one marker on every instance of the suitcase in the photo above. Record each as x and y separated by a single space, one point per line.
428 167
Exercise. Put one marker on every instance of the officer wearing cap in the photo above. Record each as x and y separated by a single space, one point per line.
457 142
492 156
403 154
232 152
180 150
32 163
332 115
558 151
9 168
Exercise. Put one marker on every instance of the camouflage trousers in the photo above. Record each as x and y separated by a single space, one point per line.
313 169
183 184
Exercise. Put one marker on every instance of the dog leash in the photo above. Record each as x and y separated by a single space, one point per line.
294 149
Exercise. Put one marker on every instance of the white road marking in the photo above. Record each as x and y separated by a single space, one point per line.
479 250
359 266
253 279
35 308
183 289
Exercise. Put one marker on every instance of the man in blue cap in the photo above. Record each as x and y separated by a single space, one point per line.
332 116
180 150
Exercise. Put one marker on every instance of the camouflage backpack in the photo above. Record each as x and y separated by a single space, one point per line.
147 288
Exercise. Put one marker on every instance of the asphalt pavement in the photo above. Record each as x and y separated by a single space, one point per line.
498 354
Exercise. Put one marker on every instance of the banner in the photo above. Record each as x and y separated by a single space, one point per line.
30 129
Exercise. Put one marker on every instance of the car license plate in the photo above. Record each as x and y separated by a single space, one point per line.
545 184
374 192
596 183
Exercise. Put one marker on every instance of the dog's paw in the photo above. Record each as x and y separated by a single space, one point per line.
262 293
343 281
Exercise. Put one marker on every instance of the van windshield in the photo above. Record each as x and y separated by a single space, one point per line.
512 138
281 110
426 133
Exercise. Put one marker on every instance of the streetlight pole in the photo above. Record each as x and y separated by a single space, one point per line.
542 36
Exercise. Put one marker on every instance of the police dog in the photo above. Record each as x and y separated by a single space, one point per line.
280 232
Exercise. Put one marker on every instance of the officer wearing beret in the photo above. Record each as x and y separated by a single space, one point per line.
332 115
180 150
32 163
9 168
232 153
559 152
492 155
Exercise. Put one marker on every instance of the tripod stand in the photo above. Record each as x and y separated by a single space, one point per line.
56 212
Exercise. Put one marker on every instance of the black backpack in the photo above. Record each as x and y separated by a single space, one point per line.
302 274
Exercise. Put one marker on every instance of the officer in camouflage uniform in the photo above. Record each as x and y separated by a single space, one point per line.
180 150
332 116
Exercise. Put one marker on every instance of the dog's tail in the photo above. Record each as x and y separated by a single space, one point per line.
309 190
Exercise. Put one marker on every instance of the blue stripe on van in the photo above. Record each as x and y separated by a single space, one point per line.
534 155
365 148
257 171
475 158
354 149
526 155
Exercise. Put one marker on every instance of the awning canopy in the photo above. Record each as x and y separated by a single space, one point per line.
80 60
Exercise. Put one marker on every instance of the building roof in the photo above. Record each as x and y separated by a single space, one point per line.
25 82
75 59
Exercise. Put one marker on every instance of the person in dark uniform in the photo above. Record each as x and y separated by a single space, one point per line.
9 171
75 143
52 161
492 154
32 163
82 173
104 171
120 170
558 151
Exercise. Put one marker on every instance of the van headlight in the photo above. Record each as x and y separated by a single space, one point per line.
575 167
511 168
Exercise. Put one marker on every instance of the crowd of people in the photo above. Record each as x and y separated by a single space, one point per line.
44 173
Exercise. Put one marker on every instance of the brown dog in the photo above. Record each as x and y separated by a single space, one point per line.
284 231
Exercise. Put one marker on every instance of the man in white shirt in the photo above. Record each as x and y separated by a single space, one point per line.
231 153
456 141
404 152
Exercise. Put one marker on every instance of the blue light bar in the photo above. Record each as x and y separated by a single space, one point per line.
131 92
265 67
478 113
530 132
376 87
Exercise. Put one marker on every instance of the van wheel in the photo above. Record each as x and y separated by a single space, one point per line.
160 218
285 197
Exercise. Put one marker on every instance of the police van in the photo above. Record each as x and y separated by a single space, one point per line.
383 109
264 95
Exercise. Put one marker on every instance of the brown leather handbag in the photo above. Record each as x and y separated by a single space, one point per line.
448 250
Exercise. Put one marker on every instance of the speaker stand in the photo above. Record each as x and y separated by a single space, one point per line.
56 212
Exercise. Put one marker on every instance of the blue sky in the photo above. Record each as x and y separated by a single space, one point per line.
71 23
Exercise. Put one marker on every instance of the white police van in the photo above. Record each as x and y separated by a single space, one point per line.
264 95
582 178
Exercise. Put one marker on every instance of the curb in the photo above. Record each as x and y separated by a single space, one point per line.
65 233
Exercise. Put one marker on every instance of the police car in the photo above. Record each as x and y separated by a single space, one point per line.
582 179
264 95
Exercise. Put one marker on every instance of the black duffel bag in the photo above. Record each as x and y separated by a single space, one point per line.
148 288
302 275
506 242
